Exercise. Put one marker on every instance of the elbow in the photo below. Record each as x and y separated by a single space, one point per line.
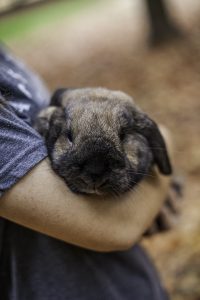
117 246
121 242
125 243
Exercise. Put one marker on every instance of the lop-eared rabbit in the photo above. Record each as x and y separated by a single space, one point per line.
100 142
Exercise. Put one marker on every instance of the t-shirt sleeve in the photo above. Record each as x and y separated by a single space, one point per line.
21 87
21 147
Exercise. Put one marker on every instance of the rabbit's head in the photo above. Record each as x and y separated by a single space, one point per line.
99 141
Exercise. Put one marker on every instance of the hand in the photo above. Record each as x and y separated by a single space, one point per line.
170 212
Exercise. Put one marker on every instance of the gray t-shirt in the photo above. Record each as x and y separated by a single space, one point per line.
34 266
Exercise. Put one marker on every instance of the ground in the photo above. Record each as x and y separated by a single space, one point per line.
105 46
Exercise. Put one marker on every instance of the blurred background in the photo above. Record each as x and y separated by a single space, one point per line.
147 48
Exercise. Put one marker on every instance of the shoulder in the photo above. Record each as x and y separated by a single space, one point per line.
24 90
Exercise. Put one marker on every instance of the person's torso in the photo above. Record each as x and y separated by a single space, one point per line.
36 267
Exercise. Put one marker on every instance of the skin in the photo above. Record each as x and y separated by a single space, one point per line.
41 201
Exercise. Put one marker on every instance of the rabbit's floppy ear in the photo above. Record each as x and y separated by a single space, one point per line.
56 122
49 123
148 128
43 119
57 97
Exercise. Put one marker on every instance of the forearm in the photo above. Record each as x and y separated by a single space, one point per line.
41 201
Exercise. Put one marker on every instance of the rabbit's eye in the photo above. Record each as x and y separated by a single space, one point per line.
122 135
69 136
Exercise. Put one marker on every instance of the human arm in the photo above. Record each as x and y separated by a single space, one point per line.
41 201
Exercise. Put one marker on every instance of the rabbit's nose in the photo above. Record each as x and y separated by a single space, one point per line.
95 170
95 174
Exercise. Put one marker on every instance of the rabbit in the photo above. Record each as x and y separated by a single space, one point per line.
99 141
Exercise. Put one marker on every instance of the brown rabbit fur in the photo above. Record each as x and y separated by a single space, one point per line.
99 141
